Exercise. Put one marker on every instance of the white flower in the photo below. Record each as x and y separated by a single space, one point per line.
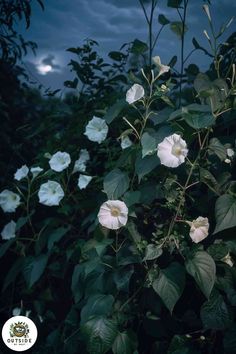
113 214
16 311
80 164
228 260
125 142
83 181
172 151
59 161
9 231
36 171
230 152
9 201
227 161
135 93
162 68
21 173
199 229
96 130
50 193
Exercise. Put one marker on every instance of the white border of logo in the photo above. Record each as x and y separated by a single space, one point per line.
19 333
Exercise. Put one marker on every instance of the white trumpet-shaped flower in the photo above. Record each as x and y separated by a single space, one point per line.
21 173
9 231
172 151
50 193
161 68
59 161
96 130
9 201
36 171
135 93
113 214
83 181
80 164
198 229
125 142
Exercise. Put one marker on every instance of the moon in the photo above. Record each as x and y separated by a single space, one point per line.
44 69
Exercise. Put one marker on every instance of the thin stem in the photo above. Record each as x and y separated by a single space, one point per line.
28 206
131 298
186 186
183 19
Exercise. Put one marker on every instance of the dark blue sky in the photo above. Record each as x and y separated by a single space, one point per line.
66 23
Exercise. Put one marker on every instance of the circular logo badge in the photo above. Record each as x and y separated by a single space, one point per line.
19 333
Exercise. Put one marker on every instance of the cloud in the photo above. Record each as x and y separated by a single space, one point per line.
49 60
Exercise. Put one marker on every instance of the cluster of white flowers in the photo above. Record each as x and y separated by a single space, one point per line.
23 171
80 164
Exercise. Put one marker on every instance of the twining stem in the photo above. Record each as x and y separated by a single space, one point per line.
183 19
131 298
28 206
149 20
186 186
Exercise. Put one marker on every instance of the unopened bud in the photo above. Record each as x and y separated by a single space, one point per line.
207 11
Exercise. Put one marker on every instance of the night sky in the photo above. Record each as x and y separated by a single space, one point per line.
66 23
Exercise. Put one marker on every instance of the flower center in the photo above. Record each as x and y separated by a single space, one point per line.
115 212
176 150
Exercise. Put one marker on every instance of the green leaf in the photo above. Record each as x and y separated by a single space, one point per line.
134 232
117 56
149 145
230 340
115 184
125 343
215 314
145 165
34 268
56 236
97 305
225 212
170 284
178 29
199 120
207 178
122 278
77 284
115 110
203 269
152 252
13 272
131 198
163 20
179 345
138 47
99 334
5 246
216 148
